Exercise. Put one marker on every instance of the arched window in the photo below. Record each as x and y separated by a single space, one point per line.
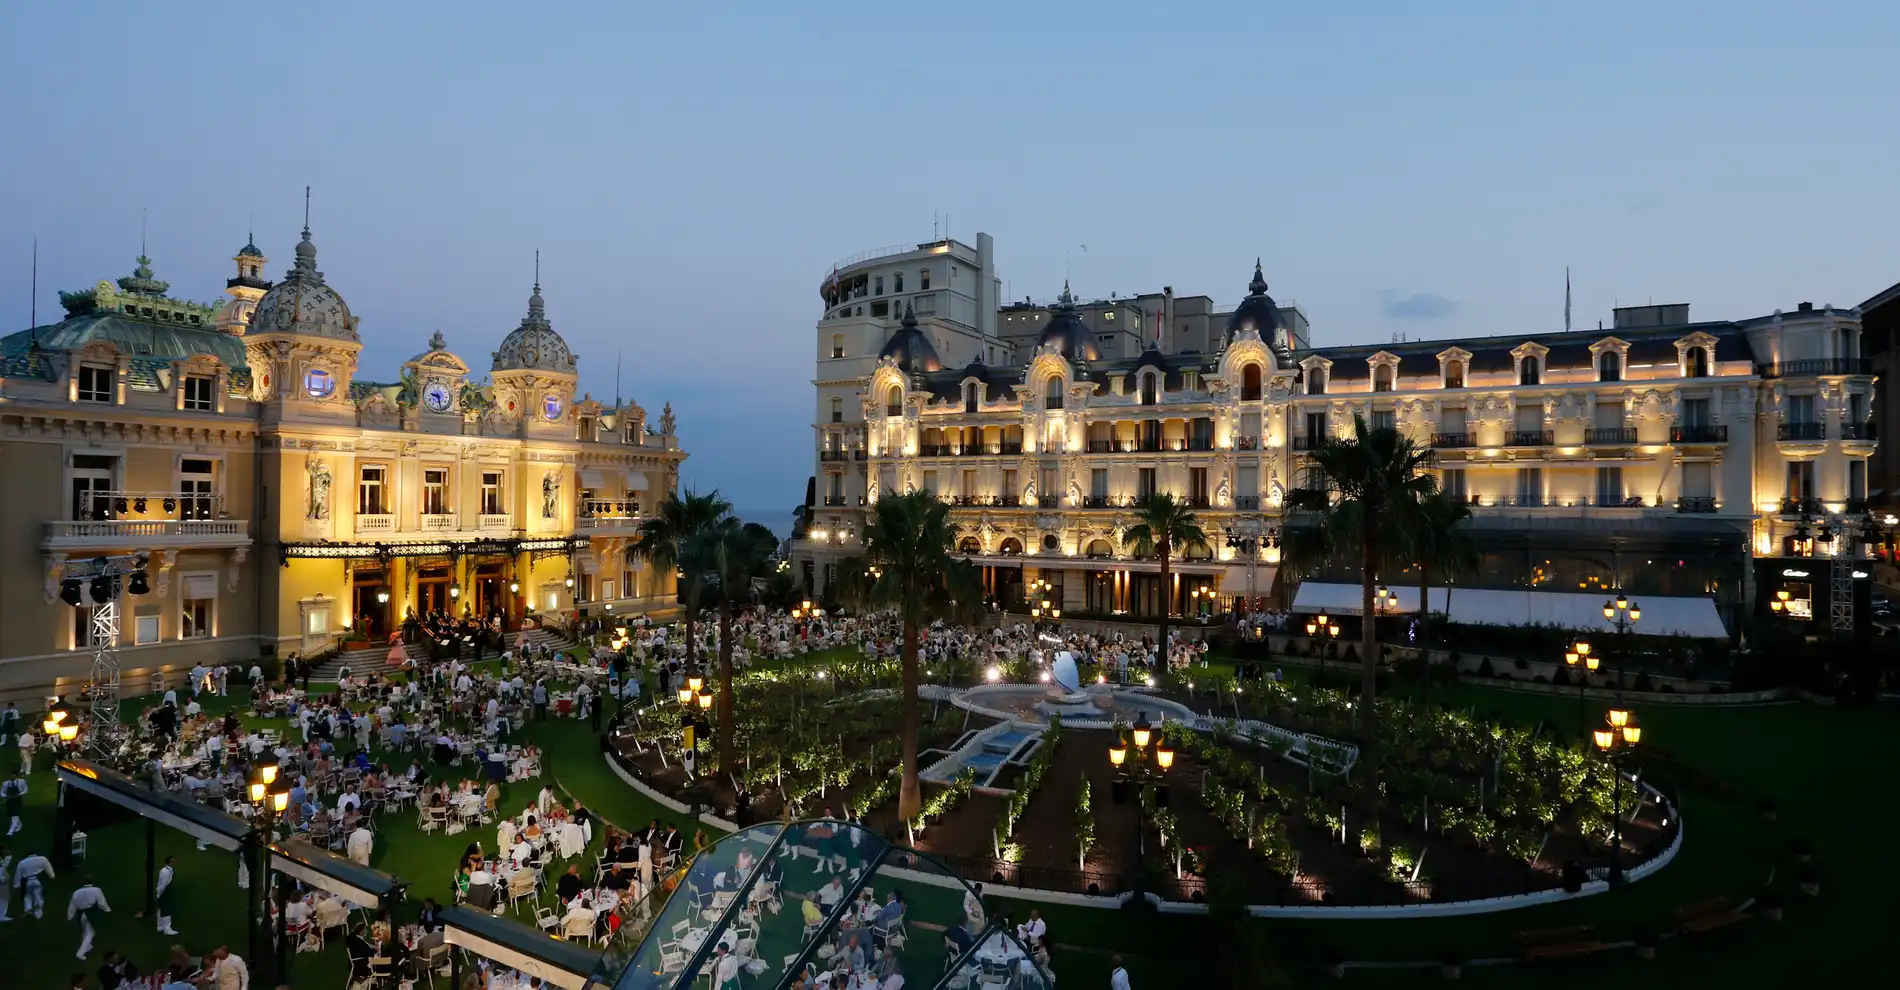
1454 373
1698 362
1382 378
969 398
1250 383
1609 367
1012 547
837 409
895 405
1148 389
1052 394
969 544
837 345
1101 549
1527 371
1199 550
1316 381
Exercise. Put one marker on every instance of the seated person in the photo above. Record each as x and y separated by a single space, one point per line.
809 911
830 894
570 885
1032 931
957 940
850 958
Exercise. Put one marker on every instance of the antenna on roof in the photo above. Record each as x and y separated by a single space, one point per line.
537 270
141 231
1566 298
306 209
616 380
33 299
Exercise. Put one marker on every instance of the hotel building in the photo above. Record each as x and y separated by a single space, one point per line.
1706 462
279 499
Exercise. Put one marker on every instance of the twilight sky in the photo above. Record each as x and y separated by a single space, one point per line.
690 171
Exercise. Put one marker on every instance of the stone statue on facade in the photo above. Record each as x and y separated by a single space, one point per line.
550 493
319 489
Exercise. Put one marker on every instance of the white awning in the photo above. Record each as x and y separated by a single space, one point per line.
201 586
597 482
1567 610
636 482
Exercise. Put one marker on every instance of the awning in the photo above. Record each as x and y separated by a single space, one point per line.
517 946
171 810
325 870
636 482
1695 617
1234 580
201 586
595 481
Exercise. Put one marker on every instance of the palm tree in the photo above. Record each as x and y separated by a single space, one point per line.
667 542
908 540
1359 482
1437 544
1165 525
735 554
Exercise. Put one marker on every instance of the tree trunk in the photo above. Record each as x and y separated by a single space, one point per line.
1425 636
727 761
1368 636
1167 605
692 623
910 796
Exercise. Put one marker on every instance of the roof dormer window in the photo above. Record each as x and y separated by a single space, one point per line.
1529 371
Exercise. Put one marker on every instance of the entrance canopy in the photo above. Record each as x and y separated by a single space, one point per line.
754 909
169 809
1695 617
512 944
339 875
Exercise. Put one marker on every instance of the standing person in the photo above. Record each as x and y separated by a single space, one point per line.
1117 980
540 701
86 903
230 973
165 896
9 725
6 881
13 790
30 876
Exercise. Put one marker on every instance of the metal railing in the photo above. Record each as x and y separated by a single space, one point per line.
1696 503
834 455
1247 503
834 500
1247 443
120 529
102 506
380 522
610 508
1527 438
1048 501
1610 434
1453 440
1796 506
1816 366
1699 434
1308 442
1801 431
1860 431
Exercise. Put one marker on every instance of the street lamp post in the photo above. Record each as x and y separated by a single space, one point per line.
1585 663
1133 780
1624 614
1319 626
1620 733
268 800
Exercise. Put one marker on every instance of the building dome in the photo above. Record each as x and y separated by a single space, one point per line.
909 348
1065 330
303 304
1256 312
249 250
534 346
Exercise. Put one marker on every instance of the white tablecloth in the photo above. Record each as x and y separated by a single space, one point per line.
998 950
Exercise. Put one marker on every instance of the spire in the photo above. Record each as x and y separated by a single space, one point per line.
1259 284
537 307
306 251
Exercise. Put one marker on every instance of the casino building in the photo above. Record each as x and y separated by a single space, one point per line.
1715 462
282 500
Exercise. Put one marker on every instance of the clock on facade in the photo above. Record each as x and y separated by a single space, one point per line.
436 396
551 407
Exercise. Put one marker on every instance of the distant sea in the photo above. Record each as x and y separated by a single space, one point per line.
779 521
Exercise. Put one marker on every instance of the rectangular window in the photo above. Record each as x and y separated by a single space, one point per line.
92 483
491 493
145 625
877 286
1197 485
969 482
930 483
198 393
1800 408
1609 486
1530 486
1856 404
194 618
923 280
1857 479
1098 482
1382 419
1147 482
82 628
1316 427
1452 483
95 384
372 494
435 491
1801 480
1696 480
196 498
1009 484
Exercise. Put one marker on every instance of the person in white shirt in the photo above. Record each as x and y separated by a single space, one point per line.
256 677
360 843
198 673
14 792
31 876
192 708
85 901
579 918
830 894
347 801
973 909
1118 980
6 881
230 972
164 896
1032 931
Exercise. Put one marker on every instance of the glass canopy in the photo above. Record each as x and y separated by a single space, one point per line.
825 901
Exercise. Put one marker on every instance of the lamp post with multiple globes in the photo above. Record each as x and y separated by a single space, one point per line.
1585 663
1132 779
60 727
1620 734
1042 607
1623 614
268 800
1318 626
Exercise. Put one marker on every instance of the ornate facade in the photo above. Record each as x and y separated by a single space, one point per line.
282 501
1667 457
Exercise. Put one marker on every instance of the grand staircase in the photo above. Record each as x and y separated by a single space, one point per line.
375 659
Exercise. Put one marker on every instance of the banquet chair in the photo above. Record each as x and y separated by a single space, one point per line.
579 930
522 886
545 919
672 960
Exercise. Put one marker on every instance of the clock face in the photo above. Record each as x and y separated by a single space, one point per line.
435 395
551 407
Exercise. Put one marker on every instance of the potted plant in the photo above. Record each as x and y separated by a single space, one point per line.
1769 903
1334 957
1766 806
1451 962
1800 850
1809 880
1645 940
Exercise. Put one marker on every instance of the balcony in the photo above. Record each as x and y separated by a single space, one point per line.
1696 503
1247 443
1856 507
495 522
1101 446
1802 432
834 455
894 411
1048 501
1860 431
1617 435
1699 434
1453 440
1095 501
934 450
1816 366
1247 503
1793 506
438 522
1198 502
1012 447
145 534
980 450
1308 442
834 500
1007 501
1200 443
375 522
1527 438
